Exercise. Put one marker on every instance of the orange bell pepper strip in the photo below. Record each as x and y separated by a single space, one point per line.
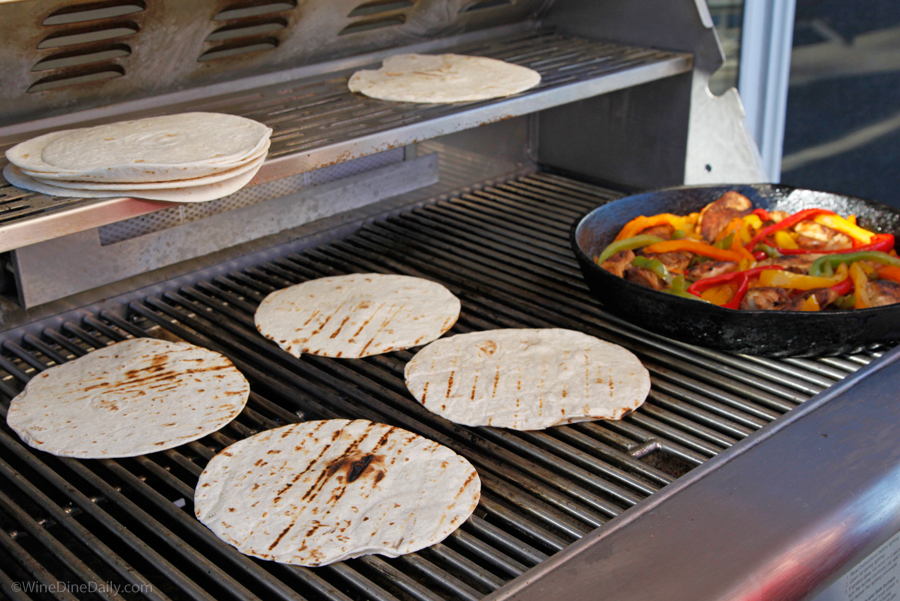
639 224
798 281
859 286
698 248
810 304
888 272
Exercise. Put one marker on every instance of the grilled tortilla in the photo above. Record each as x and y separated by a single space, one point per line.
357 315
443 78
318 492
526 379
133 397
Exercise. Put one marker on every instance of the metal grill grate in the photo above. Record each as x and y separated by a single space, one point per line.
319 122
504 251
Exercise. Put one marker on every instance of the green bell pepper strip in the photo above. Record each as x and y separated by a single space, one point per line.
654 265
725 243
678 234
821 264
627 244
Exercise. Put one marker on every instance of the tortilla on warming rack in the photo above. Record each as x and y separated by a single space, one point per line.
127 399
526 379
358 315
318 492
443 78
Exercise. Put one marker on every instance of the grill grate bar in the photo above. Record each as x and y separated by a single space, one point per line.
503 250
123 533
64 555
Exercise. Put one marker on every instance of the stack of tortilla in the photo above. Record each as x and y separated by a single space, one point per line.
187 157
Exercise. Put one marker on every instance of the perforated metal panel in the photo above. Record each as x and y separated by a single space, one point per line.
186 213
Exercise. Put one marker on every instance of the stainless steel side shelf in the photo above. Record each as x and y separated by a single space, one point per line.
318 122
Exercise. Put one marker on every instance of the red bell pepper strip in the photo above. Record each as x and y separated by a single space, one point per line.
760 255
742 278
844 287
785 223
880 242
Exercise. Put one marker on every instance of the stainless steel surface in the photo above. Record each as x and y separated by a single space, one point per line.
779 518
318 122
131 49
503 249
68 265
719 148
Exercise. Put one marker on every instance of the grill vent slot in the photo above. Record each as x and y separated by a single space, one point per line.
94 11
482 4
250 29
380 6
383 13
85 38
86 35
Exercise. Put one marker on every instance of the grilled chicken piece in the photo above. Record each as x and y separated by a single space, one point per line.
710 270
764 299
618 263
644 277
819 237
778 216
794 263
883 292
824 296
663 231
674 261
716 215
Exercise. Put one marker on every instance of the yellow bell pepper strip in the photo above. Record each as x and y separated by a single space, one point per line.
639 224
818 266
888 272
785 240
810 304
852 219
798 281
785 223
719 295
859 284
836 222
698 248
627 244
880 242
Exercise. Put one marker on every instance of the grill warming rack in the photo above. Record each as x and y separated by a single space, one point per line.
318 122
503 249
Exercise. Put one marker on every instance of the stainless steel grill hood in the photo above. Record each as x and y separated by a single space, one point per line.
740 478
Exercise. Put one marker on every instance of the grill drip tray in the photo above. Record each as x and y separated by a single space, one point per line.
504 251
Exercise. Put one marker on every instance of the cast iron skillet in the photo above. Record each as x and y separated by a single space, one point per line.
767 333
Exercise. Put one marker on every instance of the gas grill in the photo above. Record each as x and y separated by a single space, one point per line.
479 197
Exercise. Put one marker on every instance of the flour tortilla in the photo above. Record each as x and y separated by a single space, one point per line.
133 397
168 140
28 155
253 165
443 78
357 315
526 379
315 493
142 176
14 176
